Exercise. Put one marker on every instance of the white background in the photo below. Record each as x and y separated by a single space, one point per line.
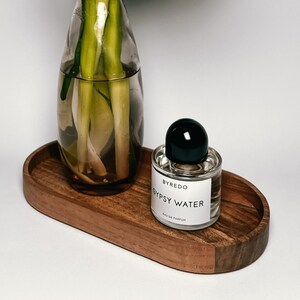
234 65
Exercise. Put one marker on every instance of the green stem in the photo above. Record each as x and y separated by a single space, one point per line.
119 89
89 41
87 66
102 121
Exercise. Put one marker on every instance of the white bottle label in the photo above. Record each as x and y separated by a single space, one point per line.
180 202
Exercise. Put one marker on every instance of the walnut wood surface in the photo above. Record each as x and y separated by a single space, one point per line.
236 240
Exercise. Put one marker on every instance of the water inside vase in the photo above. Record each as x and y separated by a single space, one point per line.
98 143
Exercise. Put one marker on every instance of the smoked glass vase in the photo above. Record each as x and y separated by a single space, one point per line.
100 99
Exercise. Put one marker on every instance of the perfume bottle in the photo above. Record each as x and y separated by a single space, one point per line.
186 178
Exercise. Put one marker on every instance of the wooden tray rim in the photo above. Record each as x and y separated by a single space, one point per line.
30 164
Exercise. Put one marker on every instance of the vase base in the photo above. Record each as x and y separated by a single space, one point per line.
105 186
100 189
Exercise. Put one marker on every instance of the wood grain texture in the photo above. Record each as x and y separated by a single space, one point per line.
236 240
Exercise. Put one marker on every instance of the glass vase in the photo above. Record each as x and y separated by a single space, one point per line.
100 99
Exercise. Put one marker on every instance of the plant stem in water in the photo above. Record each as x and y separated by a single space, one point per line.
119 89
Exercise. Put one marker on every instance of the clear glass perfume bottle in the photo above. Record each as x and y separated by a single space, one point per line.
186 178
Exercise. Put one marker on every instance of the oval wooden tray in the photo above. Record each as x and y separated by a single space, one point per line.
236 240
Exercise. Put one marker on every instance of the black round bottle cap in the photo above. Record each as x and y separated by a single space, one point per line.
186 142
